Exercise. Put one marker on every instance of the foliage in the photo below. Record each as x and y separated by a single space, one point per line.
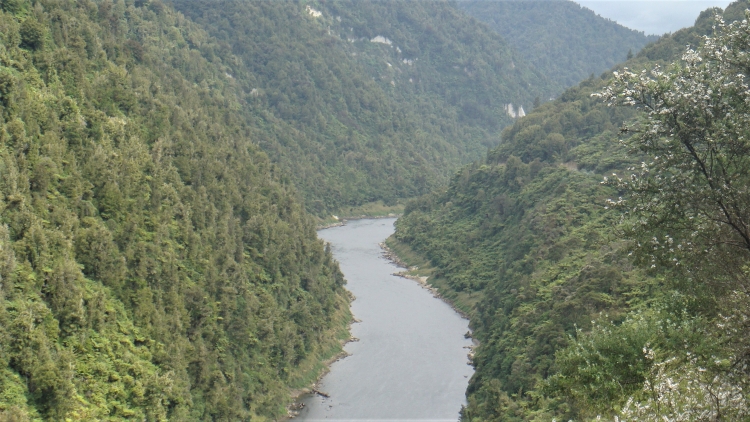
562 39
689 202
353 120
611 365
562 313
686 206
652 367
685 391
529 240
154 264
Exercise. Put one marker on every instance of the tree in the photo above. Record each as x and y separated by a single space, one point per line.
32 34
689 201
687 208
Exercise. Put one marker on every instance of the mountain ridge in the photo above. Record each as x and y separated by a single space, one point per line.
376 109
586 44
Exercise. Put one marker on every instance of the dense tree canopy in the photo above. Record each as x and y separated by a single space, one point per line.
694 191
154 264
688 207
157 261
564 40
367 100
582 311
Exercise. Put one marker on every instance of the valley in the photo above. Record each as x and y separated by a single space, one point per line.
577 189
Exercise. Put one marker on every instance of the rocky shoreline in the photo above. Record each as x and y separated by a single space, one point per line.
390 255
296 405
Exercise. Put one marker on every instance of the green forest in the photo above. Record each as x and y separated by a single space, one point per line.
156 265
562 39
164 166
601 249
353 120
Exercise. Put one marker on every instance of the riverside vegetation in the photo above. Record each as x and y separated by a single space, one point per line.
162 167
155 263
597 295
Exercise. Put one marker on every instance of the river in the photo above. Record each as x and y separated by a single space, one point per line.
410 363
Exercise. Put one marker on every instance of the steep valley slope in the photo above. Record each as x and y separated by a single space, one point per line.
155 265
162 166
367 100
560 38
569 324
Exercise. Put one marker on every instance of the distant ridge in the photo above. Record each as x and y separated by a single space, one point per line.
362 101
565 41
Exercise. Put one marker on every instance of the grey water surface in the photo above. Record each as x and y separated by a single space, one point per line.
410 363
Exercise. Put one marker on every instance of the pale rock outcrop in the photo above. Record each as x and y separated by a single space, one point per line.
314 13
382 40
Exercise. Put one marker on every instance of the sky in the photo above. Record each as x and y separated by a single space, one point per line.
652 17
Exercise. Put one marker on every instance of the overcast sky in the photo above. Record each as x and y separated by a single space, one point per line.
652 17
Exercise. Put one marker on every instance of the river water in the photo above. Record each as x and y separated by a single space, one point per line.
410 363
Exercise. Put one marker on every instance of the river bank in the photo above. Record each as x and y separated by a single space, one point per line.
316 365
293 409
416 266
389 254
370 210
411 358
412 272
341 221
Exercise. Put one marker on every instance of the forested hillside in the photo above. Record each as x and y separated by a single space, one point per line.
560 38
154 264
159 163
156 169
367 100
617 298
